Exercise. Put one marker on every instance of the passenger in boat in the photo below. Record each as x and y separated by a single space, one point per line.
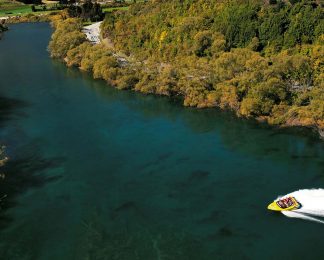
288 202
282 204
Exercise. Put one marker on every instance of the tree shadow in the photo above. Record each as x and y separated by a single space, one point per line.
22 174
8 109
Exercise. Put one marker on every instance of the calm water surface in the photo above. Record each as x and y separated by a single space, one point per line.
97 173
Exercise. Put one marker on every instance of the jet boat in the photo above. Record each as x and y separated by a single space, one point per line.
284 204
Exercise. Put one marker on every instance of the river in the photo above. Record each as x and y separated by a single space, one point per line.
97 173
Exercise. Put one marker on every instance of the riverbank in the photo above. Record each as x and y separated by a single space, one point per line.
282 90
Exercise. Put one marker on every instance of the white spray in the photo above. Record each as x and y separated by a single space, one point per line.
312 205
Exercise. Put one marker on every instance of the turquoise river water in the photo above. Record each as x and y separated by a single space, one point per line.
97 173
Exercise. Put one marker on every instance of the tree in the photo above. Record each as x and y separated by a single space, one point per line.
203 42
88 11
238 22
273 26
63 2
67 36
303 21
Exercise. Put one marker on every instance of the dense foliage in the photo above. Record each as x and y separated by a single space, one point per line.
86 11
183 27
67 36
260 60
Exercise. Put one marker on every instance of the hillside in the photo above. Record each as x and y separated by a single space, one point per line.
259 60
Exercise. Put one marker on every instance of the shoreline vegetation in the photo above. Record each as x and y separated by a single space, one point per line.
263 61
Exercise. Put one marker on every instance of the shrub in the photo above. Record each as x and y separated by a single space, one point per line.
67 36
75 55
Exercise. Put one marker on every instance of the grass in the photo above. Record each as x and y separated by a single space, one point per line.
12 8
16 10
110 9
123 8
4 4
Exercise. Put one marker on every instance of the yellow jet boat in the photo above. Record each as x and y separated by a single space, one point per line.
284 204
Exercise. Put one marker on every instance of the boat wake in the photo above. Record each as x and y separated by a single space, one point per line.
312 202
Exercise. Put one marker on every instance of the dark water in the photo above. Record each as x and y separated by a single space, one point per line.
97 173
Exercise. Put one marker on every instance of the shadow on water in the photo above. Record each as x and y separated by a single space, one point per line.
24 172
9 108
1 35
237 134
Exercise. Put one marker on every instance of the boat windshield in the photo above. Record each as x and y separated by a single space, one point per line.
285 203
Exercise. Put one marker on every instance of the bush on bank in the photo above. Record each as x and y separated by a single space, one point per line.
67 36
